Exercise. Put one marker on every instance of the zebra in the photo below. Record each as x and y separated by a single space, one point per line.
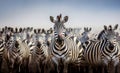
11 54
37 56
49 36
85 35
39 59
63 50
31 50
34 56
80 40
103 52
103 35
2 45
24 52
41 36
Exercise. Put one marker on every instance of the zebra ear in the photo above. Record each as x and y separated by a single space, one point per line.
116 26
85 29
35 31
90 29
105 27
65 19
52 19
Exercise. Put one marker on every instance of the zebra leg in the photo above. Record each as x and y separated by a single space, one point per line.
86 69
102 69
110 68
81 69
105 69
10 64
116 69
47 64
11 69
65 70
0 64
91 69
57 64
99 69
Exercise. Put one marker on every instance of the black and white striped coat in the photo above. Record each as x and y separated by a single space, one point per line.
64 50
103 51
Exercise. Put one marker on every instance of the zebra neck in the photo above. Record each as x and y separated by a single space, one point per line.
100 35
14 49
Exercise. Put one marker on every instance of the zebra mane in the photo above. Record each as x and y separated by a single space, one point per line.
100 34
59 17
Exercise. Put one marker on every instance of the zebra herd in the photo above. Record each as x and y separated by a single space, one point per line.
59 50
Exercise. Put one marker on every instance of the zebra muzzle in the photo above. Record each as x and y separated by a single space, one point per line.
111 46
60 38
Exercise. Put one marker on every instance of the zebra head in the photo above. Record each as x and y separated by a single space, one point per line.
35 38
13 39
59 28
109 34
24 35
85 35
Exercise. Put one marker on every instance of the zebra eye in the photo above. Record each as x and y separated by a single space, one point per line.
55 34
82 34
114 37
63 33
